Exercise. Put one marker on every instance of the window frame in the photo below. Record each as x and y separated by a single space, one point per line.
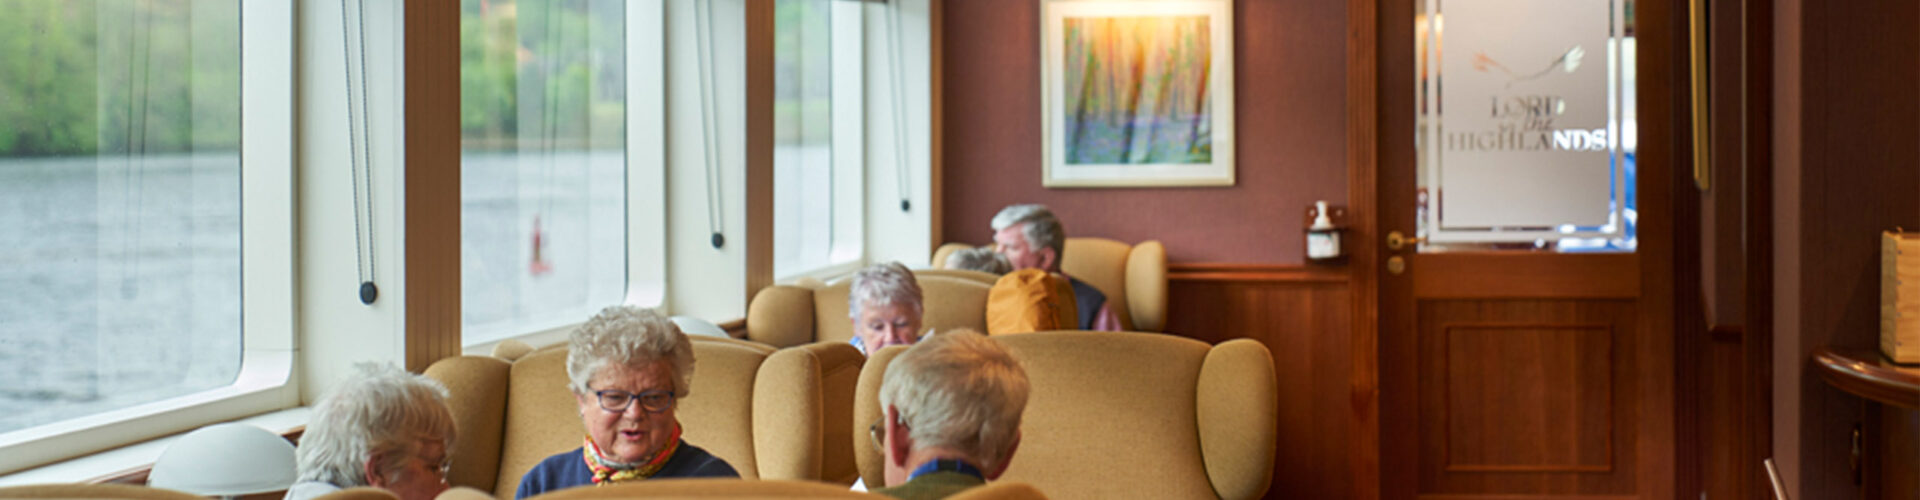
267 235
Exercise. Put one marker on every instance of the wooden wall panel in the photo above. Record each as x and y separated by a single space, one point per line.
1724 427
1527 397
1303 316
1486 371
1847 168
432 215
1896 454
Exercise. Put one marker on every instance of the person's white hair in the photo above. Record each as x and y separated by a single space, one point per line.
960 391
379 410
629 337
1042 230
882 284
982 259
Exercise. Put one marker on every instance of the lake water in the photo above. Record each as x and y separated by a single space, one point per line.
123 276
122 281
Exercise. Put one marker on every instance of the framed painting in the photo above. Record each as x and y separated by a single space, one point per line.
1137 93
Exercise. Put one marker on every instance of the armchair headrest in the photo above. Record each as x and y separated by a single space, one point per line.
790 315
1209 412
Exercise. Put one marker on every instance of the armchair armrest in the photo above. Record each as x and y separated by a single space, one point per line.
1237 407
1147 286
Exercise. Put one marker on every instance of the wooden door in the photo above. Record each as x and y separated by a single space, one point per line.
1528 373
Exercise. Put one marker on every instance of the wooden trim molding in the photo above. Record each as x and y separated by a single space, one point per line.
1224 271
736 328
1363 157
936 138
432 193
1865 373
760 88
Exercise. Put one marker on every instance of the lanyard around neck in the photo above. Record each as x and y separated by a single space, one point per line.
947 465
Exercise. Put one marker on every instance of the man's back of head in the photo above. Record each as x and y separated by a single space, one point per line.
951 404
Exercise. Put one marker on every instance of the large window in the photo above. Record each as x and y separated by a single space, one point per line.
545 121
818 136
131 229
120 196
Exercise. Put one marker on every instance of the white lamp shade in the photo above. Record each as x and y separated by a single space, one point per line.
225 460
696 326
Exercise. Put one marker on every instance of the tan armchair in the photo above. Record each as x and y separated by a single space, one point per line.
1133 277
767 412
786 315
1193 420
713 488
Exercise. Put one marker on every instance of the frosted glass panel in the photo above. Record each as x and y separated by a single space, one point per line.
1525 130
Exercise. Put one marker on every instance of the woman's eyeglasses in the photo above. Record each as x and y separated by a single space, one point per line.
651 401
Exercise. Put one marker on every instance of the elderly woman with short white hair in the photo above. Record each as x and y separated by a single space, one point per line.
381 427
884 303
982 259
628 367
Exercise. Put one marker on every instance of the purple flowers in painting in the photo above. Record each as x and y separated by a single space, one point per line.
1137 90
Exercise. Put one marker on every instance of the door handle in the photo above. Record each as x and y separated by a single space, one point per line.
1395 240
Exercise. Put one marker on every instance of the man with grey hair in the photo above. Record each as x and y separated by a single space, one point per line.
950 415
1032 238
381 427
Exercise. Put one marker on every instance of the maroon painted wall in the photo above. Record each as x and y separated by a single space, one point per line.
1289 79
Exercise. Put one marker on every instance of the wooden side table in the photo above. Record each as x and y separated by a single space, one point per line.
1890 460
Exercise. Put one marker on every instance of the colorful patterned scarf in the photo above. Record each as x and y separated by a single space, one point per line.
607 471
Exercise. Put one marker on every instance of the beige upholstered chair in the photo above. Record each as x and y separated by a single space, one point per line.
1133 277
104 491
1201 419
1001 490
771 414
360 493
713 488
786 315
983 277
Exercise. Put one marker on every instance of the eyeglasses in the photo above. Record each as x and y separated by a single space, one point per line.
441 466
878 432
445 466
651 401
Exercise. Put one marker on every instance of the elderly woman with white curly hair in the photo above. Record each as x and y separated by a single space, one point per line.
628 367
381 427
885 305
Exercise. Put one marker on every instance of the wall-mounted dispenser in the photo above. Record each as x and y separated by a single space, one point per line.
1323 234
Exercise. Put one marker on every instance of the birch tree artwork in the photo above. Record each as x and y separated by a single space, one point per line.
1136 93
1136 90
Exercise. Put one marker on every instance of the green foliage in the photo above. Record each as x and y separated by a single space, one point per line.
803 73
542 74
159 76
84 78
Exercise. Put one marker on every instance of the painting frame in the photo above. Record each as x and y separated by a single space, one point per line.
1206 160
